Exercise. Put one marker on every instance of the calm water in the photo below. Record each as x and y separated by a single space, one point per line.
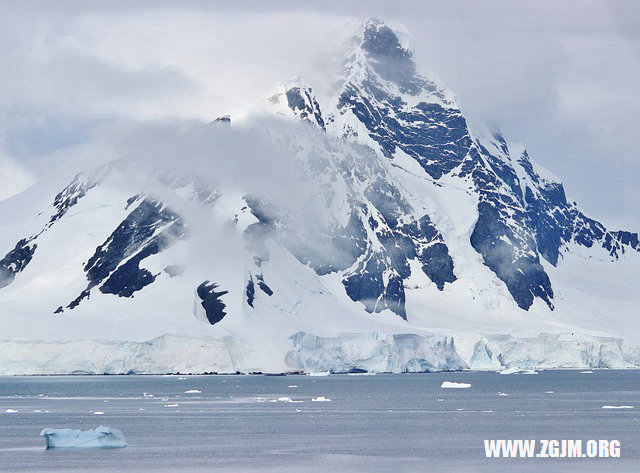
383 423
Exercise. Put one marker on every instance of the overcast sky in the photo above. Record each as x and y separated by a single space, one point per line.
560 77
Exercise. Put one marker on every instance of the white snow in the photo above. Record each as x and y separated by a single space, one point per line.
454 385
321 399
101 437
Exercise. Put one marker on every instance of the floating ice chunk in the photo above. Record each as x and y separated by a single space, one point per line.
586 372
180 379
548 392
321 399
192 391
11 411
320 373
171 405
98 413
147 395
101 437
617 407
452 385
293 386
516 370
38 410
502 394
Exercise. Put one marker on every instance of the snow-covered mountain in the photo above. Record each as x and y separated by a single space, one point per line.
367 228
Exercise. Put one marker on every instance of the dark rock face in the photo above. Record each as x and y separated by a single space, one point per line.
263 286
517 221
523 274
149 229
210 301
250 292
304 105
373 249
71 194
15 261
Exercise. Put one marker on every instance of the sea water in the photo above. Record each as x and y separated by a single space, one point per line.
381 423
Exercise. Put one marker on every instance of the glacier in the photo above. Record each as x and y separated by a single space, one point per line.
100 437
370 352
389 236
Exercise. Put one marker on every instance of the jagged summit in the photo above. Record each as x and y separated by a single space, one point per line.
380 38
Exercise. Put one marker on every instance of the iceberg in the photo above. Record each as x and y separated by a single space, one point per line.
101 437
452 385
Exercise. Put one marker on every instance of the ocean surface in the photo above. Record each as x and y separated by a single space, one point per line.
382 423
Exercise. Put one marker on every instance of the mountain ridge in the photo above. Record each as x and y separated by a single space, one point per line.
388 213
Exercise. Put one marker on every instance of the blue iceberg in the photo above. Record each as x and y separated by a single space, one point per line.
101 437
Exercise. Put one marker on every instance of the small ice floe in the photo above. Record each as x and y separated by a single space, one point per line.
321 399
548 392
147 395
320 373
459 409
38 410
452 385
502 394
98 413
11 411
617 407
366 373
586 372
440 400
101 437
293 386
285 399
171 405
181 379
516 370
193 391
487 411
